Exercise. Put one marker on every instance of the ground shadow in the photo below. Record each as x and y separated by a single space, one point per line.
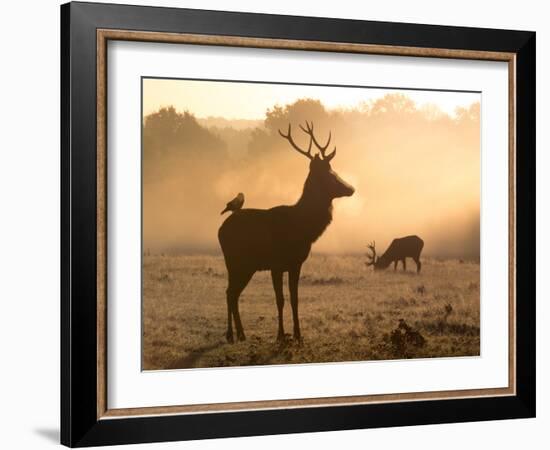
189 361
273 350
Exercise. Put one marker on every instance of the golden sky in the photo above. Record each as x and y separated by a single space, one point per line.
414 173
233 100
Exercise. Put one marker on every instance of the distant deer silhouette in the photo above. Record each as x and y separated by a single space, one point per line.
279 239
399 250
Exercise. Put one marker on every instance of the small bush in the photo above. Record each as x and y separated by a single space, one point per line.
421 289
327 281
447 311
404 340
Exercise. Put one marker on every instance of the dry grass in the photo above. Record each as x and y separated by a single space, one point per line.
347 313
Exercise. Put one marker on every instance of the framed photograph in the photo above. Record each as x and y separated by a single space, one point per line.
276 224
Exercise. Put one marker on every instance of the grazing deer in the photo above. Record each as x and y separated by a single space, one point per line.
279 239
399 250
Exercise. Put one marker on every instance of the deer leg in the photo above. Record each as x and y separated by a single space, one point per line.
293 279
404 264
238 323
277 278
229 333
237 283
418 265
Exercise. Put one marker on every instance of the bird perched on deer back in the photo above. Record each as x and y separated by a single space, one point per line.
235 204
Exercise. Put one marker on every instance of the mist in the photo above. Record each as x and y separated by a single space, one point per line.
415 170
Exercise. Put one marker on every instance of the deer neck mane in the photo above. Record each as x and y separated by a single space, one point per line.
315 210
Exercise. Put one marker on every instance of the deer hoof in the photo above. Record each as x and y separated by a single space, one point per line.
229 337
283 339
241 337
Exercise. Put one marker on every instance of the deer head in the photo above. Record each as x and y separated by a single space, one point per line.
321 176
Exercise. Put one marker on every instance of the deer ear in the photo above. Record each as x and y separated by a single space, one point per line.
331 155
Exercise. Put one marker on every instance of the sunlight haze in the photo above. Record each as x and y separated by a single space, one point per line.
413 158
233 100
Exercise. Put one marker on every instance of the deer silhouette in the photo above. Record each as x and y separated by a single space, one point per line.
279 239
399 250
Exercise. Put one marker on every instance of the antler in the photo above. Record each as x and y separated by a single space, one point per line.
309 131
322 148
288 137
372 257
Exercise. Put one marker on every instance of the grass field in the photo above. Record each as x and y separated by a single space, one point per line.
347 313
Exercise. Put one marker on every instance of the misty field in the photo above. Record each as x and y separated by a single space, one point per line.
347 313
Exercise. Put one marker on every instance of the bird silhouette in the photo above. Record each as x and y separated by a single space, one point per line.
235 204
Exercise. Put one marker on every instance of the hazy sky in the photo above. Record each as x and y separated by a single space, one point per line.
251 100
412 174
